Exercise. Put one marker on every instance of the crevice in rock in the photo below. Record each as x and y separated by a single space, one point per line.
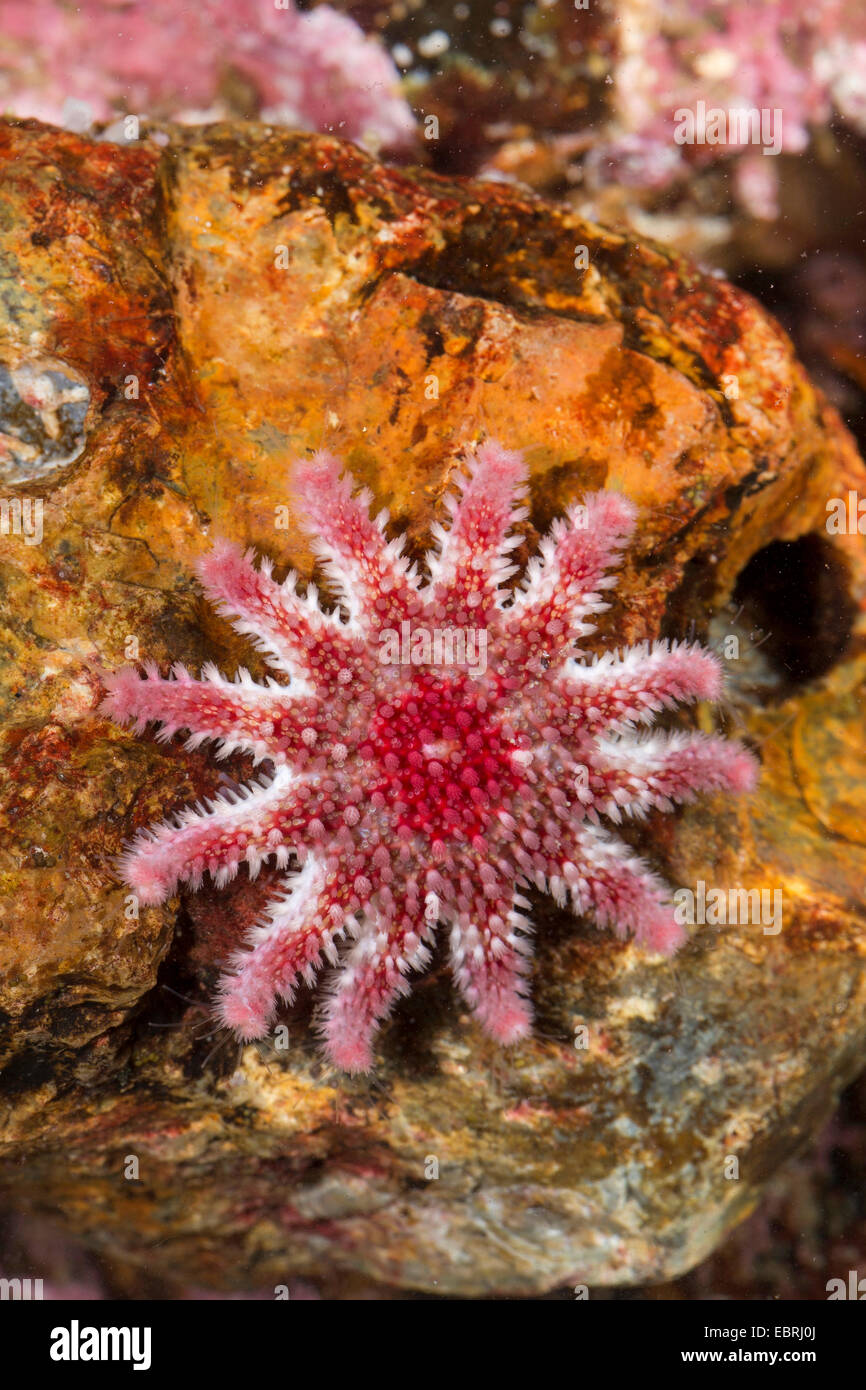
795 594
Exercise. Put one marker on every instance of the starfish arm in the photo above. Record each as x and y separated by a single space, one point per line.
295 635
472 559
371 574
563 585
490 961
261 821
265 720
299 929
366 988
612 885
633 776
633 688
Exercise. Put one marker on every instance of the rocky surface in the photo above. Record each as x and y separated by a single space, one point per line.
225 303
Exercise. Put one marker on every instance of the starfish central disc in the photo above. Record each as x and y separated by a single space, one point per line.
443 763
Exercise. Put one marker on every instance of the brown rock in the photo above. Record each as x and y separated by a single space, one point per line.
405 317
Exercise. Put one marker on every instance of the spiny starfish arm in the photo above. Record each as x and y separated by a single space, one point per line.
634 775
490 962
261 820
366 987
373 578
563 584
293 632
633 687
265 720
300 928
617 889
472 559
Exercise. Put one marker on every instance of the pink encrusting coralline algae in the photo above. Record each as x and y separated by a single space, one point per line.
805 59
159 59
428 754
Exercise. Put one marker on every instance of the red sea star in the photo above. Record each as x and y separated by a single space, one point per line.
413 789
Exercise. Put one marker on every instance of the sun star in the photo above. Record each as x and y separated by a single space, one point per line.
430 752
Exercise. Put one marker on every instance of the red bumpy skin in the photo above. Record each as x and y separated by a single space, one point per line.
411 784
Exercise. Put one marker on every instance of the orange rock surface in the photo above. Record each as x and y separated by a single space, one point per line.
239 297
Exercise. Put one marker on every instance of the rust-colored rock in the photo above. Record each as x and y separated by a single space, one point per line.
230 301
